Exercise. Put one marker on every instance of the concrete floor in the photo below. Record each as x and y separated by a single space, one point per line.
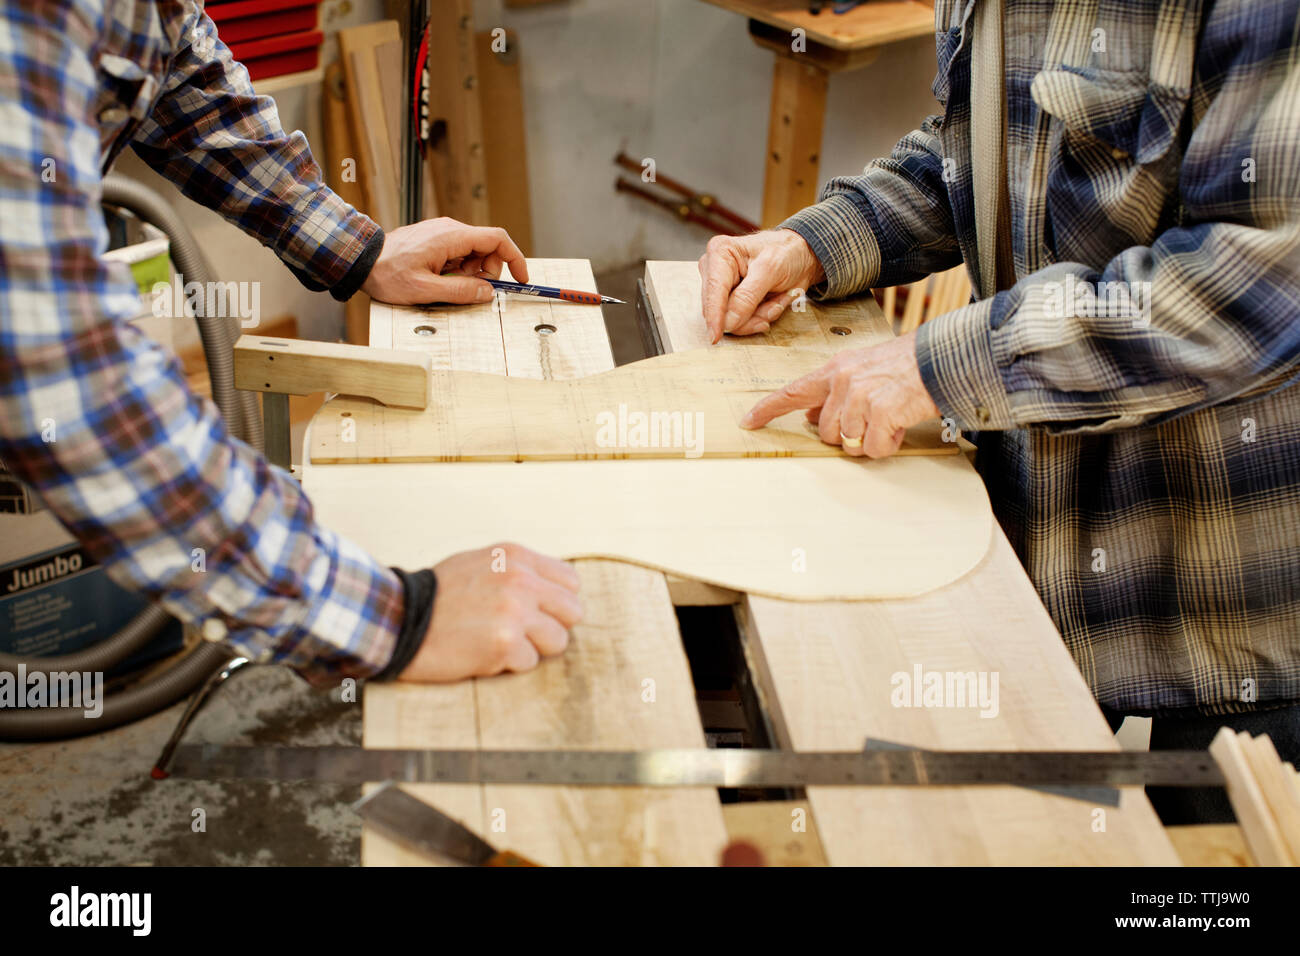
91 801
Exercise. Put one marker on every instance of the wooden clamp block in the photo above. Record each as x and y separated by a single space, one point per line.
283 367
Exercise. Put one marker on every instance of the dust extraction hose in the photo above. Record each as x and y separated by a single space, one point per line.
240 411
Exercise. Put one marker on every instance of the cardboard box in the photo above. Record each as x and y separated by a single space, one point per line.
54 598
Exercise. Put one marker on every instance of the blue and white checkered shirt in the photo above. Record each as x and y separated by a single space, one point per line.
136 466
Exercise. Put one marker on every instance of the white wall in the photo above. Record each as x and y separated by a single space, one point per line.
679 81
676 80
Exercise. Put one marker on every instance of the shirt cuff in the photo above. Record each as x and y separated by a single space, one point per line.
842 240
356 276
420 588
955 355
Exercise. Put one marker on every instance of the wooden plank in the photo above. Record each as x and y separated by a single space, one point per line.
1274 784
871 24
832 671
1258 825
595 697
342 176
794 138
455 161
674 290
592 696
501 102
549 338
595 694
685 404
825 673
389 58
783 831
298 367
1209 844
378 162
894 528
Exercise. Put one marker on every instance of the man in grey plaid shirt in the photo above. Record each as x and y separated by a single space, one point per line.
1121 179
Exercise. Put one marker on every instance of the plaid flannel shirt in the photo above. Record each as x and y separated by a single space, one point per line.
99 419
1131 386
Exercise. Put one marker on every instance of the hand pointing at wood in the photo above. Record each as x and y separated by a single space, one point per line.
863 399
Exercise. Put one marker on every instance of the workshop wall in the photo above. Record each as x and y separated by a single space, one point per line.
676 80
679 81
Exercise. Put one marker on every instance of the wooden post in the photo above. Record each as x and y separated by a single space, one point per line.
456 160
794 138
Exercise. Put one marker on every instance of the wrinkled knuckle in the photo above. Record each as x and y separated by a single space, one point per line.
501 639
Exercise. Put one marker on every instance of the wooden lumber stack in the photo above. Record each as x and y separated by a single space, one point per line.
1265 794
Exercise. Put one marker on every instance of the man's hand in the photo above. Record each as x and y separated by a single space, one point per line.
863 399
749 281
498 609
409 269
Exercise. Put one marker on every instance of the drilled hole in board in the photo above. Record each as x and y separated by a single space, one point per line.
545 329
424 330
840 330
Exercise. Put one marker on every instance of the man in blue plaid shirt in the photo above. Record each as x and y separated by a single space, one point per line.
141 470
1122 180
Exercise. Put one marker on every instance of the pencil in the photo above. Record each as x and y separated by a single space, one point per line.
554 292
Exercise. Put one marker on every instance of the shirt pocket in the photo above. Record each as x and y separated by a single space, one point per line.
1113 157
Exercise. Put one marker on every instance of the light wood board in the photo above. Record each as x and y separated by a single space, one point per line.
366 52
501 99
807 529
456 171
594 695
681 405
826 673
674 291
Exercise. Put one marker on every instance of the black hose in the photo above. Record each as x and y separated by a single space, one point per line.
136 634
141 700
240 411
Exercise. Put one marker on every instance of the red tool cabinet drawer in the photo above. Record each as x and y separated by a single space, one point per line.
276 56
254 19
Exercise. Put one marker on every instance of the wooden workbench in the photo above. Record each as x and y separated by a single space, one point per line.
823 670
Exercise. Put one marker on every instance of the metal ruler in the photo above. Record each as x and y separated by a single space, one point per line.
701 768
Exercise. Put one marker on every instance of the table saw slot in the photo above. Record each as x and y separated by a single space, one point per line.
731 709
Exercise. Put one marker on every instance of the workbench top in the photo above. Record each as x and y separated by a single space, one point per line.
823 670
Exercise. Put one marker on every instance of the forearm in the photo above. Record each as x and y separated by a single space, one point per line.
224 147
891 225
100 422
1197 318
